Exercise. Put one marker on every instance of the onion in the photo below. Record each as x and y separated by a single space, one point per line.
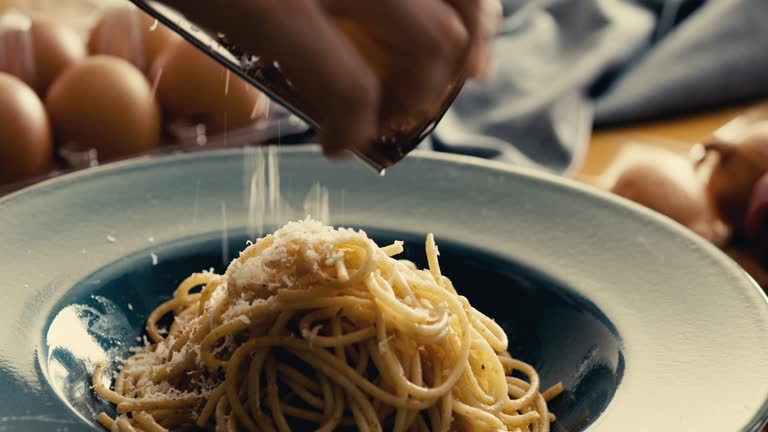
738 167
669 184
747 258
756 222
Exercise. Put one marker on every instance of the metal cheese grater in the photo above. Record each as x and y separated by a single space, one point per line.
396 139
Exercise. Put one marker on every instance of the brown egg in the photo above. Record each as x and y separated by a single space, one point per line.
42 51
26 146
104 103
192 86
131 34
56 48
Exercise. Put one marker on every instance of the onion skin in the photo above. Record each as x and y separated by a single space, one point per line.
756 223
739 166
747 258
669 184
730 185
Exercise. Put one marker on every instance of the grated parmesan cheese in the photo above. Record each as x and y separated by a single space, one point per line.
302 249
299 249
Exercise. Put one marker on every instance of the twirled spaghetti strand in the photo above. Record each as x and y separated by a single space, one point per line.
313 327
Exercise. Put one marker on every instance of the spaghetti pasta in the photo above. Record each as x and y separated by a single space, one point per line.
315 327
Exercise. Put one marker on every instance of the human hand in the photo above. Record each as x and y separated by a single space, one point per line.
360 63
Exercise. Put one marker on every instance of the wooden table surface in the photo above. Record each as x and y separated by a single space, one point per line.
676 134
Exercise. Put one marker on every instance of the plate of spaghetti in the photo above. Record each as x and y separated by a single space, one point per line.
210 292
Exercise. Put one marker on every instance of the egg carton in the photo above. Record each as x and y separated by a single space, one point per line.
278 126
79 15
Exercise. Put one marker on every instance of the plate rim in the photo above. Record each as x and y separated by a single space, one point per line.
568 183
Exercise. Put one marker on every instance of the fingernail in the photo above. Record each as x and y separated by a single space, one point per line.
482 66
488 71
473 65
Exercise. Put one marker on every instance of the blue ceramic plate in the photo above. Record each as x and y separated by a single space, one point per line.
648 327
